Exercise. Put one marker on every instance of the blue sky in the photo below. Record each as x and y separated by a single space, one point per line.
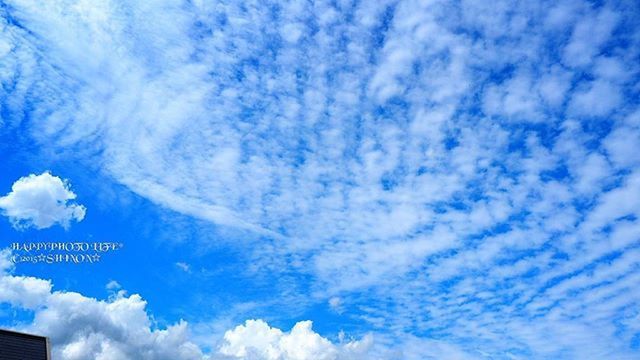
324 180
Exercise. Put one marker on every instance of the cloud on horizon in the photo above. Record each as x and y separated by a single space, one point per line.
85 328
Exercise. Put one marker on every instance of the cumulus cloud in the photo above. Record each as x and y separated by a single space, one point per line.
21 291
120 328
41 201
257 340
84 328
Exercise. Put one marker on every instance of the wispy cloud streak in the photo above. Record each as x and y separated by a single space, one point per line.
463 171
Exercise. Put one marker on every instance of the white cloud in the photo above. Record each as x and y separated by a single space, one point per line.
588 36
620 143
21 291
183 266
362 141
335 303
256 339
515 99
597 99
41 201
553 86
113 285
84 328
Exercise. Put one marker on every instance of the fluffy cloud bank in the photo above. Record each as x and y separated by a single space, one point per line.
84 328
119 328
257 340
41 201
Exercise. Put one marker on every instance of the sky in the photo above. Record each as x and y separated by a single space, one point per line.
321 180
